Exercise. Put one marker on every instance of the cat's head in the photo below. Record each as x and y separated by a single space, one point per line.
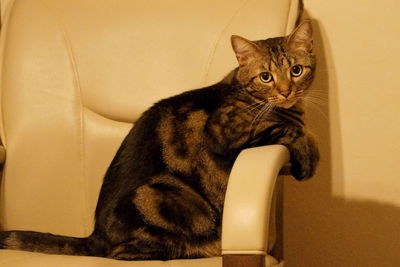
277 70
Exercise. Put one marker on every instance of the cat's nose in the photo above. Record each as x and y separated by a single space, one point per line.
285 93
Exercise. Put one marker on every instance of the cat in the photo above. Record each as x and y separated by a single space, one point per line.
162 196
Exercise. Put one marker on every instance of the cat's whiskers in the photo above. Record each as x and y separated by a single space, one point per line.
256 106
269 108
265 110
315 104
255 119
315 90
317 99
317 93
318 96
253 108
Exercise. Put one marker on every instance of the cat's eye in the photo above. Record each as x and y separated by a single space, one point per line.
265 77
296 70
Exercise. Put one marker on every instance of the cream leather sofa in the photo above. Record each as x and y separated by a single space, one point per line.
76 74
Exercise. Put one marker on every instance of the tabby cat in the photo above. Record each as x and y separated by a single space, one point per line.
162 196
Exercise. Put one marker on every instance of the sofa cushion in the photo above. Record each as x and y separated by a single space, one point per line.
13 258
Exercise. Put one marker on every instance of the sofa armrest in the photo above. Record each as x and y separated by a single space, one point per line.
245 223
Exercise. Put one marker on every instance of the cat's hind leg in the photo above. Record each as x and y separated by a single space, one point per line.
170 205
177 222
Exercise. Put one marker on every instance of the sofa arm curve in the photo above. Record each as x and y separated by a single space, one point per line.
247 208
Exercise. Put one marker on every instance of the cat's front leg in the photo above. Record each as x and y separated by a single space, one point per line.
304 153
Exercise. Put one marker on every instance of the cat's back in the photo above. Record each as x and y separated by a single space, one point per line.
196 105
173 123
207 98
169 137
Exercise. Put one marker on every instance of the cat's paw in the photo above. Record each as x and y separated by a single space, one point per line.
304 159
304 168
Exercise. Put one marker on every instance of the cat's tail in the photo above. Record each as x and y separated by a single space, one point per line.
45 243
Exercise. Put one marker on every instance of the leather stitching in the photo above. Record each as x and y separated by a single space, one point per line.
78 90
288 14
3 32
218 39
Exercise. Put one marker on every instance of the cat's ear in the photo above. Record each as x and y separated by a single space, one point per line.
244 49
301 37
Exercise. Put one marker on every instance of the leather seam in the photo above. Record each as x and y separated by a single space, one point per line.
78 90
218 39
288 14
3 32
88 110
108 117
78 95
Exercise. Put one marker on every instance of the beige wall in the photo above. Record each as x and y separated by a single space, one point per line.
349 214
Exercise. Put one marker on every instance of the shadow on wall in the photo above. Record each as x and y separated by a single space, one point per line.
321 229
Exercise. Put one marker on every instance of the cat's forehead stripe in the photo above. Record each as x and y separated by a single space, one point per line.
277 58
